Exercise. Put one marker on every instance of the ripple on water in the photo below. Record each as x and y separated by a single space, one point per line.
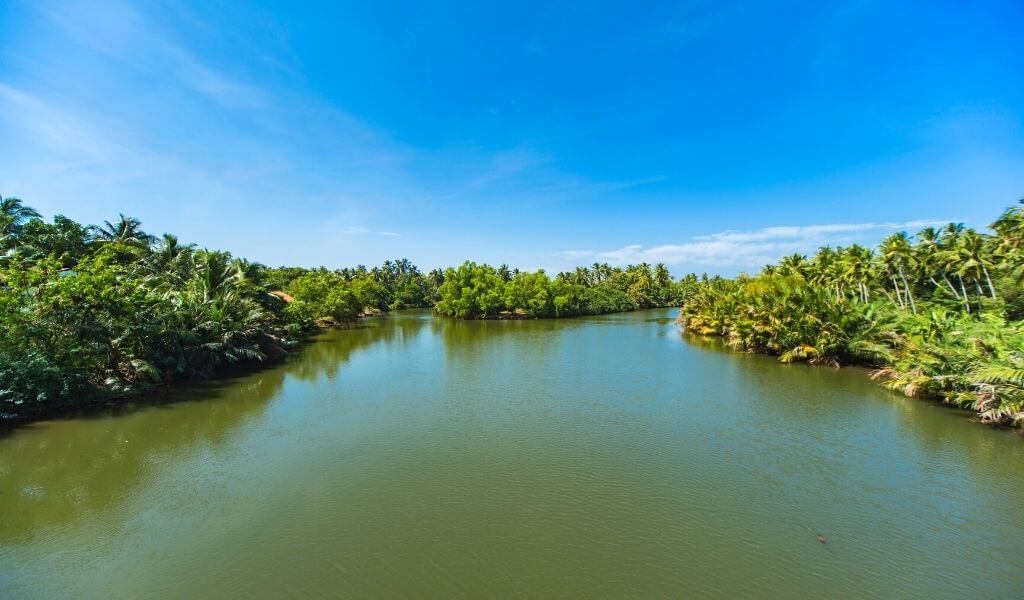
600 457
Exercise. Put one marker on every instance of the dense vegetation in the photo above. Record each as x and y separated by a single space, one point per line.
97 312
474 291
94 312
939 314
325 297
89 313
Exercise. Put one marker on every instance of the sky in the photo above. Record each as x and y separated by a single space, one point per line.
710 135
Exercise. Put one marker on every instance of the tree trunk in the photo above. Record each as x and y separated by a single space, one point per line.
967 302
910 295
989 281
956 294
899 292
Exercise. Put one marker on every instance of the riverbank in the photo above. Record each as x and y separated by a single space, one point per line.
965 362
866 370
940 314
163 392
594 457
95 314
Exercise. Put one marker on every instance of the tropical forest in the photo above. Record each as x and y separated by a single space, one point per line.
94 313
458 300
99 312
938 314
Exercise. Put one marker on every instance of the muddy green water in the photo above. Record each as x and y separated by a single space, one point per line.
602 457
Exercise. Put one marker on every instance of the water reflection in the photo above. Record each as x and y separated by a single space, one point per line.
410 456
63 471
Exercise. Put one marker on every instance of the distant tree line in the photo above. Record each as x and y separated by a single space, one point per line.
480 291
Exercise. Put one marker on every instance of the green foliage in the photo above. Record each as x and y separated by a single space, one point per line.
601 299
474 291
471 291
92 313
322 296
938 315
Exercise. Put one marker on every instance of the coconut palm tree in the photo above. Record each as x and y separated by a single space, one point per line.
662 277
793 265
823 270
127 230
13 215
857 269
975 256
1010 228
949 242
897 257
928 260
602 272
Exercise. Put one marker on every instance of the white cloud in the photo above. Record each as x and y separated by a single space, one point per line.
574 254
743 248
352 230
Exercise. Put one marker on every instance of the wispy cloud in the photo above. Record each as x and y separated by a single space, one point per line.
359 230
742 248
222 128
574 254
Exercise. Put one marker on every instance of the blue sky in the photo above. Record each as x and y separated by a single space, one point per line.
709 135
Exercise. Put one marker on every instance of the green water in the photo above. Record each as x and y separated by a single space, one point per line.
600 457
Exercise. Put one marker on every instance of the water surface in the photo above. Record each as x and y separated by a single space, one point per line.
412 456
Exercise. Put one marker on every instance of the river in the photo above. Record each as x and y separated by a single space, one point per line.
414 456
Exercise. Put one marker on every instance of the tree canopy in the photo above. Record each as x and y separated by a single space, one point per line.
938 314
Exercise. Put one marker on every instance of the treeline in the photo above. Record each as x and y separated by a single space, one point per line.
937 314
480 291
325 297
95 312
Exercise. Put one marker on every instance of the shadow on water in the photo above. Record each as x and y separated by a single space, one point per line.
322 355
60 471
823 374
605 456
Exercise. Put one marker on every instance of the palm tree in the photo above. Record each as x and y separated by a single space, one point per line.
975 256
170 261
169 249
247 272
581 276
949 241
214 276
662 277
897 256
127 230
793 265
856 267
1010 228
14 214
927 257
823 270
